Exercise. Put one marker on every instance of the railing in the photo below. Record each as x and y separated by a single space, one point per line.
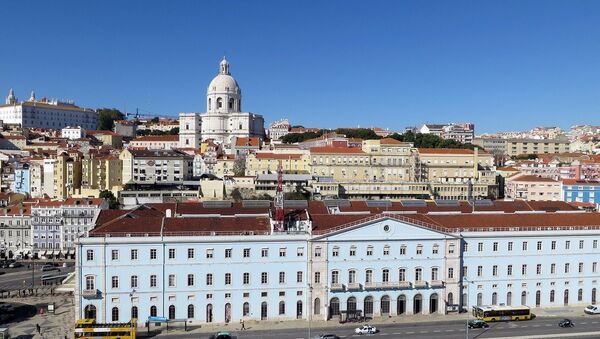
420 283
337 287
436 283
354 286
382 216
178 234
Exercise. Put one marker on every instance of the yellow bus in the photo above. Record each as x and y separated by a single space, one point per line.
502 313
89 329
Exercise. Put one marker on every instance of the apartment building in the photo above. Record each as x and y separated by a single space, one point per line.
582 191
268 162
517 147
15 228
100 173
67 174
155 166
531 187
159 142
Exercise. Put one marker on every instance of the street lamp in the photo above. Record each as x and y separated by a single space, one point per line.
467 301
309 307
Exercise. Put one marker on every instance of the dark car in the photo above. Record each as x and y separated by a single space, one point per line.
15 264
49 268
478 324
6 263
221 335
328 336
566 323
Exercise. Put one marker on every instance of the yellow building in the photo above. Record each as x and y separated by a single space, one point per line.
456 165
67 175
109 138
224 166
268 162
100 173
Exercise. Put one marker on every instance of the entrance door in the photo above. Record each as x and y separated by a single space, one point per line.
263 311
401 305
417 304
90 312
209 313
227 313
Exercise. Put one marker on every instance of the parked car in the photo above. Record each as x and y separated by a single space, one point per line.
6 263
15 264
366 329
566 323
477 323
327 336
221 335
49 268
592 309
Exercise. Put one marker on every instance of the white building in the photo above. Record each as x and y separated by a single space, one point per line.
278 129
223 119
46 113
72 132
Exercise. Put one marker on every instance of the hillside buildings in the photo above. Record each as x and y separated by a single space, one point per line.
463 132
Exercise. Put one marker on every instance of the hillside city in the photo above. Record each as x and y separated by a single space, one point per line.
216 221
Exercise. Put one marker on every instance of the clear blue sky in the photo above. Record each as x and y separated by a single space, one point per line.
503 65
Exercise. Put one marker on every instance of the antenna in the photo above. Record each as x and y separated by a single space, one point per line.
279 212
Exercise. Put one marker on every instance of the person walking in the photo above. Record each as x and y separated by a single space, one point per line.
243 325
38 328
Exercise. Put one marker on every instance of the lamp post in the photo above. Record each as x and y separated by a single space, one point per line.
467 301
309 307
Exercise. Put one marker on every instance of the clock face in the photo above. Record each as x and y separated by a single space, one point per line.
150 163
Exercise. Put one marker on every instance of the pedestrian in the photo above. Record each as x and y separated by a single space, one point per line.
38 328
243 325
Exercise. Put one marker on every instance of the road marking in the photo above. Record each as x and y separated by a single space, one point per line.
594 322
536 325
397 333
410 332
424 332
565 335
449 330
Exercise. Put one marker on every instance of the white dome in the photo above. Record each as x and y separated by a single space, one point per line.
223 83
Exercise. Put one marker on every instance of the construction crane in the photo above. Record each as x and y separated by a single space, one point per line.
279 211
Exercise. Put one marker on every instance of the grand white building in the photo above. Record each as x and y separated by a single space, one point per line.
224 119
46 113
223 262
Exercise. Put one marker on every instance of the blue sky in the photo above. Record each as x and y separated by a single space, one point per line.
503 65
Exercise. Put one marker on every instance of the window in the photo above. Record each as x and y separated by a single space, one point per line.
171 253
524 269
152 253
114 254
335 277
385 275
134 312
352 251
580 267
281 277
594 267
134 254
567 245
171 280
495 270
246 278
580 244
451 249
480 247
90 255
317 277
264 278
335 252
595 244
115 282
190 253
282 307
553 245
153 280
386 250
190 279
418 274
419 249
368 276
210 253
539 245
402 250
465 247
402 274
115 314
434 273
553 268
299 276
510 245
227 278
479 271
209 279
538 269
90 283
567 267
134 281
495 246
450 273
246 253
524 245
435 249
317 251
552 296
300 252
264 252
282 252
369 250
465 271
190 311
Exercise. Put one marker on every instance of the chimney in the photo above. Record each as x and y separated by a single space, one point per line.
168 213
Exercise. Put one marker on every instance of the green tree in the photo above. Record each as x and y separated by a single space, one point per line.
113 203
239 166
107 117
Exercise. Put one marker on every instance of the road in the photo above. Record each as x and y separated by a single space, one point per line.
428 330
13 278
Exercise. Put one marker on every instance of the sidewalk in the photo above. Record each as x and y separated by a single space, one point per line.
53 326
559 312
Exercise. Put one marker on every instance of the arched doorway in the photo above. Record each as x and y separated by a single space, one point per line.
153 311
401 305
433 303
368 307
385 305
334 307
351 304
566 298
580 294
190 312
417 304
172 312
538 298
299 309
209 313
479 299
89 312
134 312
508 298
524 298
494 298
227 313
594 296
263 310
115 314
317 306
450 298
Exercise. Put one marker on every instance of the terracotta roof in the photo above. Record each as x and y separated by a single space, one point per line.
155 138
531 178
445 151
580 182
83 202
391 141
254 142
18 209
336 150
283 156
92 132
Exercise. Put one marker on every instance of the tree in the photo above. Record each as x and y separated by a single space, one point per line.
239 166
236 195
107 117
113 203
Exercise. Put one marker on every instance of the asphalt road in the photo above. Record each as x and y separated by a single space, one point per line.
427 330
18 278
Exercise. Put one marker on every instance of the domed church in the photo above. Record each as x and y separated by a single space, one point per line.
224 119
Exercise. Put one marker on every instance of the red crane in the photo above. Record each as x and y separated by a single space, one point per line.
279 212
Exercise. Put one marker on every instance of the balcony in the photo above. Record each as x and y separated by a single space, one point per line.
436 283
420 284
337 287
354 287
90 294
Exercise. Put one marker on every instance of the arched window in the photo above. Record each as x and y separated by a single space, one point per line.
417 304
334 307
134 312
566 297
385 304
246 309
368 306
153 311
402 274
450 298
209 103
282 307
418 274
479 299
552 296
494 298
190 311
593 295
219 102
172 312
580 295
351 304
401 304
317 306
508 298
115 314
524 298
231 102
90 312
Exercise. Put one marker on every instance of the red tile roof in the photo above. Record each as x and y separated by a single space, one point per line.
171 138
391 141
531 178
283 156
254 142
445 151
580 182
336 150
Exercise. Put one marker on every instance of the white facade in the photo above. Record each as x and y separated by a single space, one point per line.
190 127
72 132
46 113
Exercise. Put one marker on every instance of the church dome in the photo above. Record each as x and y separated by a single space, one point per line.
223 82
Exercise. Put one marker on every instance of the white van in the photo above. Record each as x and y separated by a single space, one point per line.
592 309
